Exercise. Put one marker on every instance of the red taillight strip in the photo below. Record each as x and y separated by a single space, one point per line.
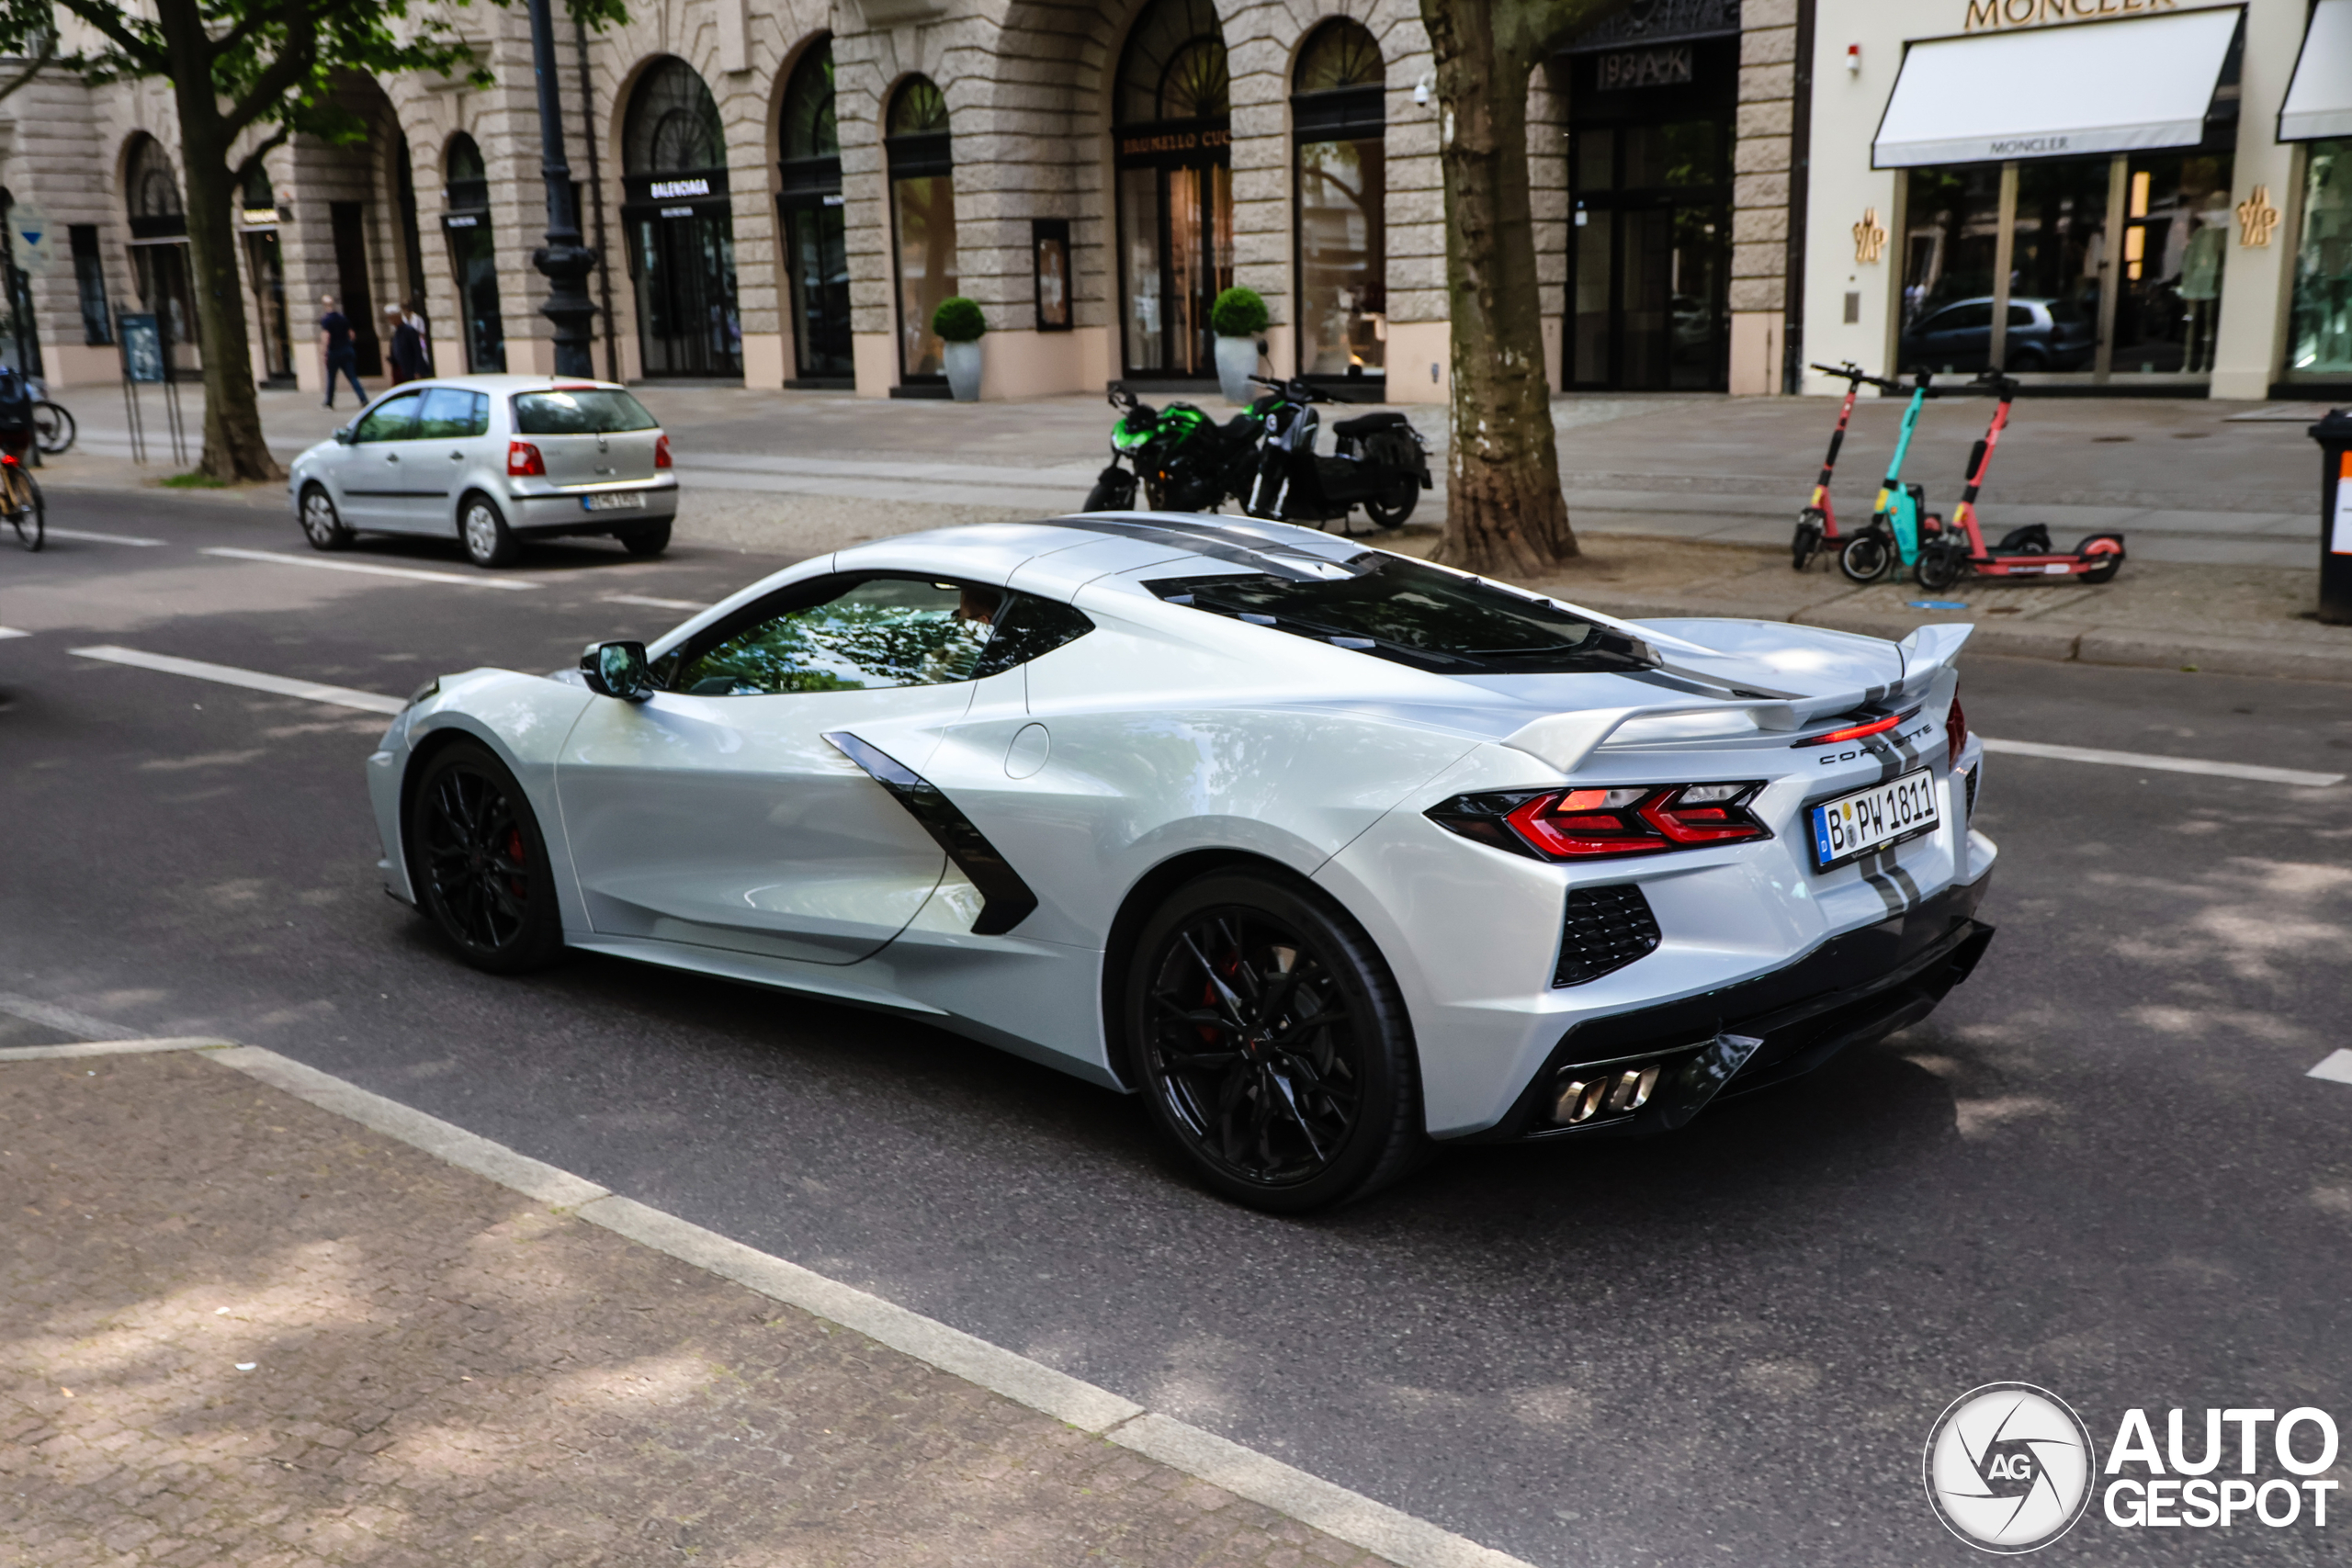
1857 732
1594 823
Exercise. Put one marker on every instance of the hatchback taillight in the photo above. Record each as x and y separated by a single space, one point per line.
523 462
1955 731
662 451
1594 824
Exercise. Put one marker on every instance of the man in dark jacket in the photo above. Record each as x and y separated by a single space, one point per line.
410 361
339 349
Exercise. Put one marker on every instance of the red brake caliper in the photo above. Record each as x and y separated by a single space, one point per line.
515 885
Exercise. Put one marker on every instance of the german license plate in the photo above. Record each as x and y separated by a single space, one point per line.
615 501
1854 825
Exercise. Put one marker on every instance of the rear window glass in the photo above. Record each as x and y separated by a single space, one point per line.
590 411
1395 608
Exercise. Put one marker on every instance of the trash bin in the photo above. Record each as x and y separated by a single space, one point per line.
2333 434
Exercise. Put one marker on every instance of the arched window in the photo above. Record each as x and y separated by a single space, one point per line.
1339 122
922 219
680 226
473 254
1172 104
158 238
809 196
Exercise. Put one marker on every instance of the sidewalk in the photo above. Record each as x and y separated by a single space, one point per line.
243 1330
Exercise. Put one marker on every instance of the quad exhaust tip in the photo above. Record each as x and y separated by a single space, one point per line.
1581 1100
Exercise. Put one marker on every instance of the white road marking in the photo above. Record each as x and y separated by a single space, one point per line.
653 603
11 631
2336 1067
1350 1516
414 574
2163 764
102 538
251 680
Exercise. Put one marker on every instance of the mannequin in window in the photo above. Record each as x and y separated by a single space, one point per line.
2201 281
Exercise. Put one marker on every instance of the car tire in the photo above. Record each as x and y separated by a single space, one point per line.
482 529
649 540
322 523
1288 1119
1865 557
479 862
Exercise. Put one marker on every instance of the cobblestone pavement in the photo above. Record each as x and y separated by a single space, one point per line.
240 1330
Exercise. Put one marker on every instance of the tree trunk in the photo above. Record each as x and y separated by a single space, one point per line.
1505 514
234 450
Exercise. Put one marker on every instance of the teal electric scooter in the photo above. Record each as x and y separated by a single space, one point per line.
1890 541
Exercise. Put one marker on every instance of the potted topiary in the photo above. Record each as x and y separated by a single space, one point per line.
960 326
1237 317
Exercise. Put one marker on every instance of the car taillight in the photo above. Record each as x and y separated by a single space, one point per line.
1858 731
1594 824
523 461
662 451
1955 731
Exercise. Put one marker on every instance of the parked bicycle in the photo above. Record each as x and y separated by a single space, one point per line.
53 427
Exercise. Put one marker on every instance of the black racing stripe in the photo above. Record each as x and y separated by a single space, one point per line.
1006 900
1904 880
1889 894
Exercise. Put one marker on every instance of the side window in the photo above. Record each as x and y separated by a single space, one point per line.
1030 629
872 633
394 419
452 413
2022 316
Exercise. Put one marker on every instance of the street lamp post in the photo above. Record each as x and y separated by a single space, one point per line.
563 259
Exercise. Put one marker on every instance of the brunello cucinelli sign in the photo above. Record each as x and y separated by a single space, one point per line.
1174 142
1985 15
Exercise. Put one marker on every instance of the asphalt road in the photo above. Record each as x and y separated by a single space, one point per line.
2099 1168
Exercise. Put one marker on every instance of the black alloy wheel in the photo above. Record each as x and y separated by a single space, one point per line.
1865 557
1271 1045
480 864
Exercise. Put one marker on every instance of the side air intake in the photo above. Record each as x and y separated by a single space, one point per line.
1606 928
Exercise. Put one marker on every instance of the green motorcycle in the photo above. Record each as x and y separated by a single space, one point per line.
1179 456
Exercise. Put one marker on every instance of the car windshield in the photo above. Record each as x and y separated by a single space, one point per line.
1395 608
581 410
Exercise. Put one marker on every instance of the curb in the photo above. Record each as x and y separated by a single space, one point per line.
1404 1539
2113 646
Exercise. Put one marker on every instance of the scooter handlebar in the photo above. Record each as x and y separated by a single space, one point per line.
1849 371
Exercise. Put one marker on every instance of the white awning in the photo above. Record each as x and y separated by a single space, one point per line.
2319 101
2050 92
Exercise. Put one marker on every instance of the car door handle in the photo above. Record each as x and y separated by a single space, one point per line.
457 457
391 457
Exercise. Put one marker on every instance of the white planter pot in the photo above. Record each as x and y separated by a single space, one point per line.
1237 361
964 371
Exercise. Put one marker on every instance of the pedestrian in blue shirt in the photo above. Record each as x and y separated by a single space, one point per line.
340 350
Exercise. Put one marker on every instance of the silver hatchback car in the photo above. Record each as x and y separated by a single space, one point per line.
491 461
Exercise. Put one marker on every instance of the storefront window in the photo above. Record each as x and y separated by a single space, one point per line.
473 256
1341 125
923 216
2321 329
1175 186
816 242
2059 221
159 243
679 227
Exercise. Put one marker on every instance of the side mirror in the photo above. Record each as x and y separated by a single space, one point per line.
618 670
342 437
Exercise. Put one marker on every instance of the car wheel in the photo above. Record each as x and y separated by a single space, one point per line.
322 523
1271 1045
1864 557
489 541
649 540
479 863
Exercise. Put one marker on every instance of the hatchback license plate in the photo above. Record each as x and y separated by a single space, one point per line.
1854 825
615 501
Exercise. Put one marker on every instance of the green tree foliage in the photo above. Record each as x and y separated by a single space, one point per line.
246 75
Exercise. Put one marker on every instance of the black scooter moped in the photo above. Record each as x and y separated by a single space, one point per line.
1379 463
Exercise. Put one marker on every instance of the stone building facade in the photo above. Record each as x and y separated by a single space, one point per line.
782 191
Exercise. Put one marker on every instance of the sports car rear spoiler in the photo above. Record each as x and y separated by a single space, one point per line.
1565 740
